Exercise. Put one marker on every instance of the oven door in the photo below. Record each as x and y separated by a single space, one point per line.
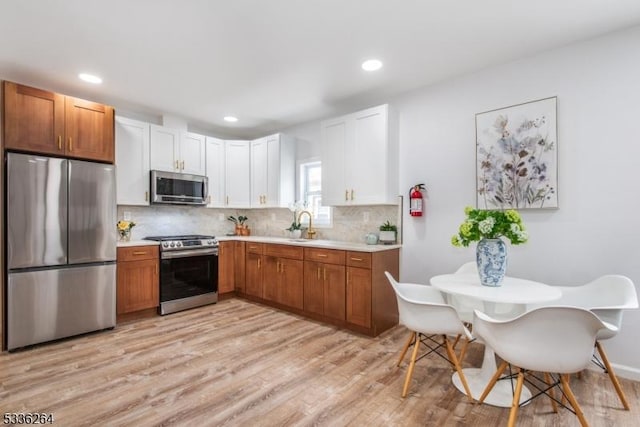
188 273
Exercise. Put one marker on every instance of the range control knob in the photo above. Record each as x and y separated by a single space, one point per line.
165 245
178 244
172 244
209 242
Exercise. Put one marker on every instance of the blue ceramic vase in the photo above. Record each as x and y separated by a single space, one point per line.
491 256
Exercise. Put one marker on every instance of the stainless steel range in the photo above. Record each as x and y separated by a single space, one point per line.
188 271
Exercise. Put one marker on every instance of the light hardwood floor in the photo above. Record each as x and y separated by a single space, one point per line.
237 363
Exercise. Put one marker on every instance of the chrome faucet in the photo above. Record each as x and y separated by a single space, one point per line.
310 231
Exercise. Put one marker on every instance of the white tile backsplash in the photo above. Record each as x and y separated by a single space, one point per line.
350 224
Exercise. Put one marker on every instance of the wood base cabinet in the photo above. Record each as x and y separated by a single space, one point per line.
344 288
324 283
254 265
283 271
138 286
226 268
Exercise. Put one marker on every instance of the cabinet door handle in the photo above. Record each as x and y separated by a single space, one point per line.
258 262
59 142
351 194
356 259
139 252
146 196
346 194
70 144
324 274
177 165
182 165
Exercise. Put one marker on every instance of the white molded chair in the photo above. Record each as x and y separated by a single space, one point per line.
423 311
607 296
552 340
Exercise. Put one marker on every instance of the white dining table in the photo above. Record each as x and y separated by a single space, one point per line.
519 292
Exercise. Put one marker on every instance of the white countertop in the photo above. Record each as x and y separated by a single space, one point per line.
312 243
325 244
138 243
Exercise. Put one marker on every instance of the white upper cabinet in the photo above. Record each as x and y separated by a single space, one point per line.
192 153
237 174
176 151
132 162
273 171
360 159
215 151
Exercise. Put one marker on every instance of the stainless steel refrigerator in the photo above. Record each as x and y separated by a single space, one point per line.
61 248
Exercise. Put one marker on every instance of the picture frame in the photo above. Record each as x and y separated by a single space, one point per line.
517 156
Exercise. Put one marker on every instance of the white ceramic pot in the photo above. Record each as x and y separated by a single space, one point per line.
388 237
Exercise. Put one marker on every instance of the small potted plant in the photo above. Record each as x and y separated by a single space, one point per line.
388 233
240 228
295 229
124 229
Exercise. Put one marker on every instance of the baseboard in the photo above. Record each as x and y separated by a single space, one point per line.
622 371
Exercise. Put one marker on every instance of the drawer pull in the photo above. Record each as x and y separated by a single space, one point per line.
356 259
253 247
139 252
322 255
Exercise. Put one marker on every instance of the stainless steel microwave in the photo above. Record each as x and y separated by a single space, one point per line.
178 188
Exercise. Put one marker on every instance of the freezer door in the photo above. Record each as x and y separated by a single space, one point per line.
45 305
36 211
92 212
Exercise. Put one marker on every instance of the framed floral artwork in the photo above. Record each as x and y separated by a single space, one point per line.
517 156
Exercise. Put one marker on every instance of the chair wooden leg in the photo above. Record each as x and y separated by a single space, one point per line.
547 379
455 342
456 363
515 404
612 375
414 355
412 336
463 352
492 382
564 379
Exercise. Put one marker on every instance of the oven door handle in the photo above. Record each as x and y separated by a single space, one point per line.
188 253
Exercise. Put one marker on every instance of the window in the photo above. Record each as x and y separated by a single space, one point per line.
311 193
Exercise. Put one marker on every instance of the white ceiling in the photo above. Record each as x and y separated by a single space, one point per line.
276 63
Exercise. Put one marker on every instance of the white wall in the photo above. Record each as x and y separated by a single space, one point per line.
595 231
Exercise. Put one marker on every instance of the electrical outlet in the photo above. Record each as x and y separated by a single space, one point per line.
220 217
127 216
365 216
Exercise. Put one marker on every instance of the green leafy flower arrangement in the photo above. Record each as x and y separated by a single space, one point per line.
490 224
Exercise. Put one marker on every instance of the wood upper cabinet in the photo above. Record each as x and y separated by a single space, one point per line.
137 281
44 122
226 268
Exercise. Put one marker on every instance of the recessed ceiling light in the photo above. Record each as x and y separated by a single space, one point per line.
230 119
90 78
371 65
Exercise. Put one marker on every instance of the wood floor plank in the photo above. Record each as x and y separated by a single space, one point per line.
237 363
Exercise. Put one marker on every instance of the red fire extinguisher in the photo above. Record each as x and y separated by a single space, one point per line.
416 202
